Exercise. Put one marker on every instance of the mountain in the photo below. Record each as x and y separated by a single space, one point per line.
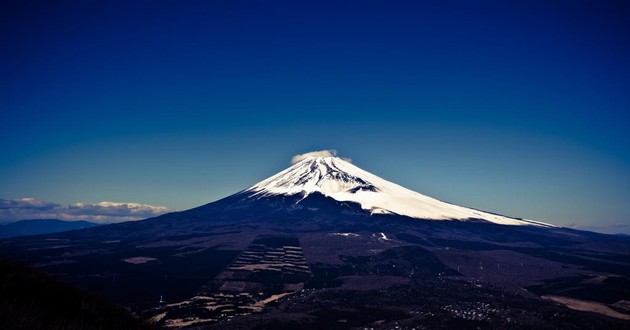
324 244
340 180
41 226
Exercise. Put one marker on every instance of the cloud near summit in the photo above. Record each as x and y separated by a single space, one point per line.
321 153
103 212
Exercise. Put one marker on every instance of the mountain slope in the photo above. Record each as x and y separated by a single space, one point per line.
338 179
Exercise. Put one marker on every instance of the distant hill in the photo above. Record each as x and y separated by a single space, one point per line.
33 299
41 226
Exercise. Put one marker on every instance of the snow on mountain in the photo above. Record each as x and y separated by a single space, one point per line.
342 181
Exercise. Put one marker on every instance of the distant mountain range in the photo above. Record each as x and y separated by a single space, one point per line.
41 226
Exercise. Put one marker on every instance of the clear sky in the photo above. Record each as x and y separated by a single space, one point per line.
515 107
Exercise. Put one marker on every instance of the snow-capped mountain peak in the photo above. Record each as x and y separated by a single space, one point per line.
343 181
321 174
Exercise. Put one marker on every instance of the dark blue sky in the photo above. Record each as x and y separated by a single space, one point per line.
520 108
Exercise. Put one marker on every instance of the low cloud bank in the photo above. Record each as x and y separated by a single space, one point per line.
103 212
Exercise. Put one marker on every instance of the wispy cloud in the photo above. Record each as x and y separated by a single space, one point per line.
103 212
320 153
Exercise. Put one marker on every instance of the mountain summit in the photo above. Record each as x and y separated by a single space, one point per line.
342 181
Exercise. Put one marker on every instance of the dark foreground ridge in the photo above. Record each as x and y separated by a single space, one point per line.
32 299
